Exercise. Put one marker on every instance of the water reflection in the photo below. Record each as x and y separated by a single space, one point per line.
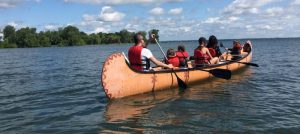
132 109
192 109
134 106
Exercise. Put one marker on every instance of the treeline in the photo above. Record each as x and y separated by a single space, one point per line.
67 36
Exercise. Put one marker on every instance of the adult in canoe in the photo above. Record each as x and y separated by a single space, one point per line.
213 47
202 54
140 56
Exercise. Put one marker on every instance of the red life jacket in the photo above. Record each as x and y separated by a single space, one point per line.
182 58
212 52
174 61
135 57
200 58
236 49
182 55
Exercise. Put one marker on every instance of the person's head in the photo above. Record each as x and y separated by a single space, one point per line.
212 42
171 52
236 43
138 38
202 41
181 48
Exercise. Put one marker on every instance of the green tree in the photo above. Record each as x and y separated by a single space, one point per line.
54 37
44 39
71 36
26 37
125 36
9 33
93 39
67 36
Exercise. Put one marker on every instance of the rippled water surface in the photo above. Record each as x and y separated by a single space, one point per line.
58 90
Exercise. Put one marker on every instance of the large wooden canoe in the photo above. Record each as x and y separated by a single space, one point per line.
120 80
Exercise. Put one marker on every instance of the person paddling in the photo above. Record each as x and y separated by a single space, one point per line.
202 55
140 56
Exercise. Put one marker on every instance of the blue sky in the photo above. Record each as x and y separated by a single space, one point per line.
176 19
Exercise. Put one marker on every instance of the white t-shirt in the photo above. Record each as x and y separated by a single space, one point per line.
146 54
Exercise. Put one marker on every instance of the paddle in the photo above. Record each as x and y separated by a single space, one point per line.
220 73
181 83
246 63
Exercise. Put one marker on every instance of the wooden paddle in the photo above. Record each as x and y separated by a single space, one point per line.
220 73
181 84
246 63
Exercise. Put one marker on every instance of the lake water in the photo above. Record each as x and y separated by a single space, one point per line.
58 90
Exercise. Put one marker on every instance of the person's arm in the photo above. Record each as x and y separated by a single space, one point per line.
159 63
207 51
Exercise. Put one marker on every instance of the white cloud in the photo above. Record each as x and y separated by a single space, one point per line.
51 27
274 11
108 14
249 28
216 20
270 27
88 17
100 29
175 11
117 2
296 2
266 27
9 3
13 3
212 20
238 7
233 19
157 11
14 24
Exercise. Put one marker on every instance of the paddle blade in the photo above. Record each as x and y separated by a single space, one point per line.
221 73
250 64
181 83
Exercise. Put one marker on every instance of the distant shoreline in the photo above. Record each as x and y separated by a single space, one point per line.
58 46
236 39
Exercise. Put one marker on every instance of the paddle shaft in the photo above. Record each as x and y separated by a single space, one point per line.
161 49
181 83
246 63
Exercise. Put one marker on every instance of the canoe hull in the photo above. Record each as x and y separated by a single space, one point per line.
119 80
